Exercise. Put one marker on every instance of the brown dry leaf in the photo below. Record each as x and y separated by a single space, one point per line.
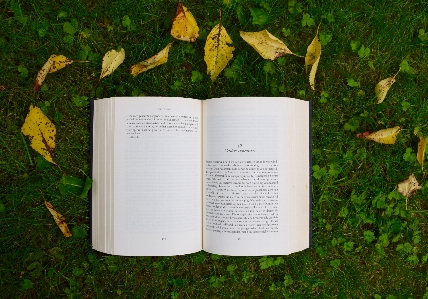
153 61
383 86
54 63
267 45
59 219
41 132
313 55
111 60
421 150
385 136
218 50
184 25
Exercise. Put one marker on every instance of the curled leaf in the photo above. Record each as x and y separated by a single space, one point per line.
421 150
313 55
382 88
41 75
184 25
385 136
59 219
153 61
54 63
111 60
267 45
41 132
218 51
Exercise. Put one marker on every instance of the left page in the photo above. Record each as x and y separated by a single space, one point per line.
156 206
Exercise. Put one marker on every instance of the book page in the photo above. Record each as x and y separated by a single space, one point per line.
157 176
256 176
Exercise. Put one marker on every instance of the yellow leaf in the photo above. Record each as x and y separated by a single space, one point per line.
111 60
41 132
386 136
54 63
312 74
184 25
267 45
421 150
59 219
313 55
218 52
382 88
153 61
59 62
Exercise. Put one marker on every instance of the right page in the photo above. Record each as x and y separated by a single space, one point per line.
256 184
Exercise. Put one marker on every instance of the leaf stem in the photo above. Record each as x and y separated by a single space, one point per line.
298 55
397 72
63 172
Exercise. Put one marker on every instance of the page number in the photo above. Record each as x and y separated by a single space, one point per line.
163 239
239 239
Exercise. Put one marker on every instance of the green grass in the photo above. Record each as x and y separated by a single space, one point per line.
355 193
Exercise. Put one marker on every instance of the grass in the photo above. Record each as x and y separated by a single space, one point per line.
366 244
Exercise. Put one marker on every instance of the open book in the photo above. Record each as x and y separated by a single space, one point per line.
174 176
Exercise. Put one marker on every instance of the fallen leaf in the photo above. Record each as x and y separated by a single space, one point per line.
218 51
421 150
383 86
59 62
408 187
59 219
54 63
386 136
313 55
41 132
267 45
184 25
150 63
111 60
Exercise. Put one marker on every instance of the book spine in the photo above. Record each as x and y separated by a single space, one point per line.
310 174
91 146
